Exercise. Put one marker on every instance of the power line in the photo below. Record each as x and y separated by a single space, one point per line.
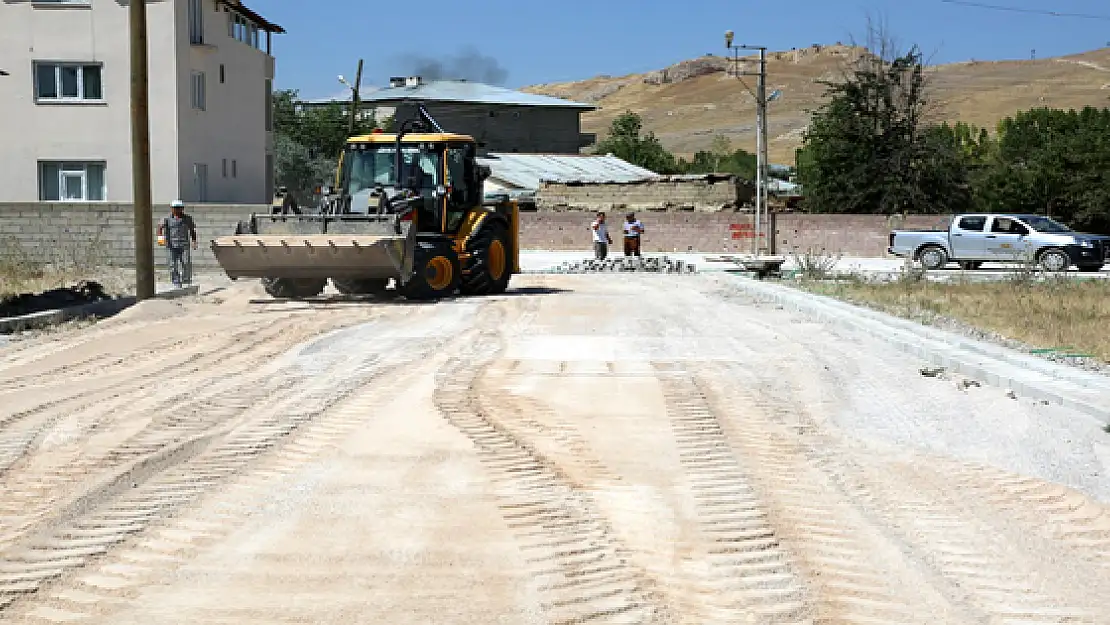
997 7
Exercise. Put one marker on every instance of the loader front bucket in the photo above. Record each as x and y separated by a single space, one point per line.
295 248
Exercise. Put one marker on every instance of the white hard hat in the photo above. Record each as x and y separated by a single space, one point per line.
177 204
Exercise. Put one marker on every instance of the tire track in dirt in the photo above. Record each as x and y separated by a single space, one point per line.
530 420
348 387
1054 511
37 484
856 573
118 383
584 571
748 573
271 413
972 568
95 366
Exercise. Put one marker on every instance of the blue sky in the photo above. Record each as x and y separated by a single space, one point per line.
531 42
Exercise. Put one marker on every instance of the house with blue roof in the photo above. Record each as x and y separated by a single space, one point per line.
502 120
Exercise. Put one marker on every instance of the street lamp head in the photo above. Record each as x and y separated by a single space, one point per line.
728 38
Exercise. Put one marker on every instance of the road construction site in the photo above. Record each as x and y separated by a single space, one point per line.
609 448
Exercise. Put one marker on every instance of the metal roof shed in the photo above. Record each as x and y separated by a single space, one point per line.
462 91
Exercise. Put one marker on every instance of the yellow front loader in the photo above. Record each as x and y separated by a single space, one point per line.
409 208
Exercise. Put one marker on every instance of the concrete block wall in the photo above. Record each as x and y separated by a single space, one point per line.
708 195
104 232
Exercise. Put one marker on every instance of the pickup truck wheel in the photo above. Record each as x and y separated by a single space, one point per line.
933 257
1054 260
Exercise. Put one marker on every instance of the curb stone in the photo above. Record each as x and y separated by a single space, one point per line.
1027 376
102 309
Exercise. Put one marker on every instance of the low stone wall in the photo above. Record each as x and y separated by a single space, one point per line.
104 233
708 193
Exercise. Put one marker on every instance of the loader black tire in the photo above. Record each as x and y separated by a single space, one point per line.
488 269
369 286
293 288
436 271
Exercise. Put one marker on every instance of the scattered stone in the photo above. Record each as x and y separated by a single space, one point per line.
932 372
1011 394
966 384
620 264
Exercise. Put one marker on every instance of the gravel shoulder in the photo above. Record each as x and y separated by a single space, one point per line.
613 448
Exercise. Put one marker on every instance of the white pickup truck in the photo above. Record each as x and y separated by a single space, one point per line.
974 239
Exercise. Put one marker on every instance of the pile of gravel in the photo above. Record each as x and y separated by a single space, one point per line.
650 264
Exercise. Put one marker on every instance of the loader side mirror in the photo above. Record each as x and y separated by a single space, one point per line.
440 191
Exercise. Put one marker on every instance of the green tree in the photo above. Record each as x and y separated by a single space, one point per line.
868 150
1054 162
308 141
626 141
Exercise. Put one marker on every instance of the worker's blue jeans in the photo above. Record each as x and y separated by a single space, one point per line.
180 257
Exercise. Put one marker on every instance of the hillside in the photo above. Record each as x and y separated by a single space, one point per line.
689 103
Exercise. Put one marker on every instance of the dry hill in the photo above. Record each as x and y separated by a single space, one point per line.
689 103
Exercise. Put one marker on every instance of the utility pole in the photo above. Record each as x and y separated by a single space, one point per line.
761 216
140 153
355 102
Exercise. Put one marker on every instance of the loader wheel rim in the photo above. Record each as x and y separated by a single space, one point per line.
439 273
496 260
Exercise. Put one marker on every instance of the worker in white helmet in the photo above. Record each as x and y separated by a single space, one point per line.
176 232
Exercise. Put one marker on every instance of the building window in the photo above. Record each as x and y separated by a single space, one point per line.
242 29
196 21
68 82
269 176
198 91
200 181
72 181
225 168
234 168
269 105
221 73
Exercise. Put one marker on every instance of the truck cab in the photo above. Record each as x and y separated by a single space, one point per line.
976 238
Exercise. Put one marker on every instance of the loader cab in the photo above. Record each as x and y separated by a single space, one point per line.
440 168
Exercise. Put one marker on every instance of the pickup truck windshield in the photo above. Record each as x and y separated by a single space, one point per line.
1046 225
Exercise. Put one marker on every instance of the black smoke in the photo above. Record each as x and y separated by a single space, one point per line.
468 64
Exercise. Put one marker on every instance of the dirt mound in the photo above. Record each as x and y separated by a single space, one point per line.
148 310
84 292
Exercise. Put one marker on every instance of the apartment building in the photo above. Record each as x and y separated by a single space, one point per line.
65 105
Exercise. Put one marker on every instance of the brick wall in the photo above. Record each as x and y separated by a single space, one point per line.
726 232
105 232
708 193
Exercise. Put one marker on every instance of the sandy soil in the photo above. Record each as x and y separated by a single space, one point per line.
611 449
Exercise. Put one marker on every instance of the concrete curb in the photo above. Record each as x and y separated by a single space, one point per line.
102 309
1027 376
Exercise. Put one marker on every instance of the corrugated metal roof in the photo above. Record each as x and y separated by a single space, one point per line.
465 91
526 171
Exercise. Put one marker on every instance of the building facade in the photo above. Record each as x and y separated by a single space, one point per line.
503 120
65 107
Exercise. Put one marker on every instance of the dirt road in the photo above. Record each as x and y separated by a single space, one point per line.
610 449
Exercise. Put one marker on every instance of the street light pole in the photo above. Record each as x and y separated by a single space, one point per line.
761 135
140 153
355 103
